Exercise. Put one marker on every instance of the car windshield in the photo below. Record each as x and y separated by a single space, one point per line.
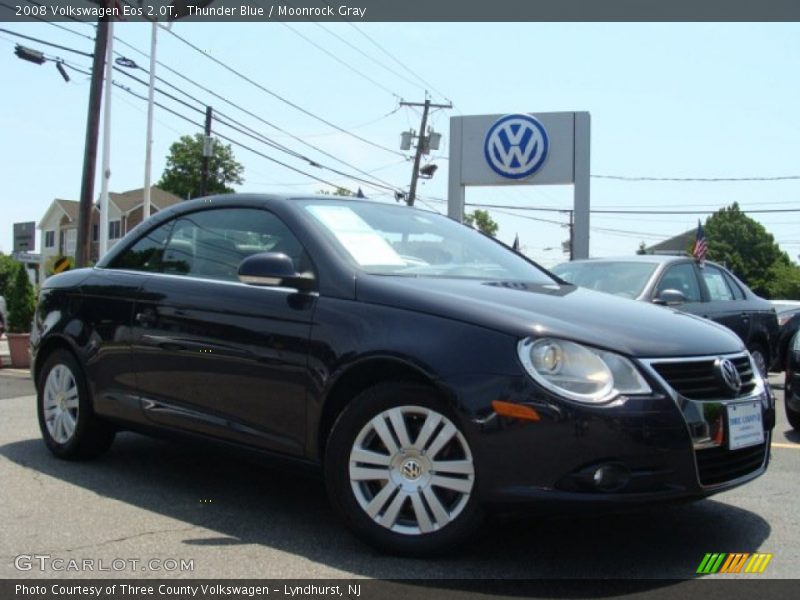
396 240
620 278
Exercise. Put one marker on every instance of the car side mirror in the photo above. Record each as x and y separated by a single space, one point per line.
670 297
274 269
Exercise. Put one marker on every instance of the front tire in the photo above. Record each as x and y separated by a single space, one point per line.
792 416
760 359
401 472
69 426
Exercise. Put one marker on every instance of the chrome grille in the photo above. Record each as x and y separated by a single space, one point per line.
696 379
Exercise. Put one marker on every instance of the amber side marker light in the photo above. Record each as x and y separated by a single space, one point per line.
515 411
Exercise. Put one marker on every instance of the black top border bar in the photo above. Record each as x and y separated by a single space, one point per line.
406 10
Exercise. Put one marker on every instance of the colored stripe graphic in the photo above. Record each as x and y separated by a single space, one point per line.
722 562
711 563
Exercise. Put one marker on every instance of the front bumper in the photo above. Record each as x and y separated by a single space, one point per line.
664 448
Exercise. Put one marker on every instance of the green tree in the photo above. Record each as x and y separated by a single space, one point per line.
748 249
7 268
642 248
182 174
21 301
482 220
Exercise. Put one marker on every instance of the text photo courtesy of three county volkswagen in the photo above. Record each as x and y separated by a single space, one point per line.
571 352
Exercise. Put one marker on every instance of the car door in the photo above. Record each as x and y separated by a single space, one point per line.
106 307
724 305
217 356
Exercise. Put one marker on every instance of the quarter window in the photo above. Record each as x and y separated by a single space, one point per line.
147 253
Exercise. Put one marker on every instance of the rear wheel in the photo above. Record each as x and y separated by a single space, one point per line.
68 424
401 472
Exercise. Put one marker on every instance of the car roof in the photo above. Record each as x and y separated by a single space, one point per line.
644 258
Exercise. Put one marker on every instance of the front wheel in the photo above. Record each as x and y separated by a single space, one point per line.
401 472
759 358
66 418
792 416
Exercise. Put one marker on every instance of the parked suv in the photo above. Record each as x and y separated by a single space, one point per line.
709 291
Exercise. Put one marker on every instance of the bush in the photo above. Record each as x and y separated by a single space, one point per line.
21 302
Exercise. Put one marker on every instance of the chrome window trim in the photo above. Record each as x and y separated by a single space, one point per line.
281 289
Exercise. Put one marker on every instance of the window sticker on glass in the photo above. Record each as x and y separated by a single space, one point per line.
364 244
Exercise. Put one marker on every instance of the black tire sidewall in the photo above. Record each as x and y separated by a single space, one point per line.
336 464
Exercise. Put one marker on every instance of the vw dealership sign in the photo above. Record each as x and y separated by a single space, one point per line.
516 146
522 149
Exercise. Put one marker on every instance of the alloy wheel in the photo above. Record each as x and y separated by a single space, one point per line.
61 403
411 470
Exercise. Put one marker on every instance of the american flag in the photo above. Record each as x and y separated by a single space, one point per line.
700 245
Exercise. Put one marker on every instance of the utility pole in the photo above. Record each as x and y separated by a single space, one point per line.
207 150
422 143
82 252
148 151
106 175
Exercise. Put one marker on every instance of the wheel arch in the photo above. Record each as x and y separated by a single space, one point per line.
361 376
46 349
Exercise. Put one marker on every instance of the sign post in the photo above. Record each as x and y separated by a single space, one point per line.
523 149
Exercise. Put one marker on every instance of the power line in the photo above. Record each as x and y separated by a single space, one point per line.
698 179
51 44
224 137
245 130
632 211
339 60
369 56
395 59
281 98
251 114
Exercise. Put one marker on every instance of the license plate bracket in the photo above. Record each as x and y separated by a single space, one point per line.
745 425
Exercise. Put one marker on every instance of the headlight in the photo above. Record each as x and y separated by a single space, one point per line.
578 372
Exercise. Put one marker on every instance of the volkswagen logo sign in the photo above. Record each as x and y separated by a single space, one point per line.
729 374
516 146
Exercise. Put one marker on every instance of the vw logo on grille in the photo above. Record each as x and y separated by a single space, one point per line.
516 146
729 374
411 469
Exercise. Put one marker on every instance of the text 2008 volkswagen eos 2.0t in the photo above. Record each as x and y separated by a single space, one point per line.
432 371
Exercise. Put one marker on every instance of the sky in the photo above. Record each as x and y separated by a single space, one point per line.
666 100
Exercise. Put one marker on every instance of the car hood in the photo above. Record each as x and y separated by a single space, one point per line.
519 309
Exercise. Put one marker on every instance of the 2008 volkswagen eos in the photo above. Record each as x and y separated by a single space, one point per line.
432 371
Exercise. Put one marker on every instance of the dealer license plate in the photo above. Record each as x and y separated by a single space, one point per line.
745 427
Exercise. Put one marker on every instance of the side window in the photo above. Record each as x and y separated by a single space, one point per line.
211 243
147 253
738 293
718 289
681 277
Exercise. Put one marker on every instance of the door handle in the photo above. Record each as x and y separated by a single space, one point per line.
146 318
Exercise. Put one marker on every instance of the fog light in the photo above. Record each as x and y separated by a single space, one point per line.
610 477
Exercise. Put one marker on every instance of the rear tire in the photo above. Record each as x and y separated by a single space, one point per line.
66 418
401 473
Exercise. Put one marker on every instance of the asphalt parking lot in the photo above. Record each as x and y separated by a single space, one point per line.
234 517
